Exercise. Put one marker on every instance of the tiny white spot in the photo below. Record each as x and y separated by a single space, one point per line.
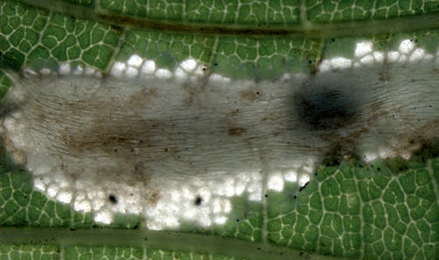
205 221
52 190
28 73
303 180
132 72
341 63
406 46
216 206
276 182
393 56
118 69
255 196
363 48
370 156
227 189
39 184
135 61
325 66
64 69
227 206
78 70
385 152
220 220
417 54
104 216
188 65
163 74
368 59
45 71
379 56
64 196
290 176
82 205
285 76
403 58
89 71
219 78
239 188
148 67
180 74
200 70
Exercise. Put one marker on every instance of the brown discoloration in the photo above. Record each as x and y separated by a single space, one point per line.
19 156
250 95
153 196
144 97
237 131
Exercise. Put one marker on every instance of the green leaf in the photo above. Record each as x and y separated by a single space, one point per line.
352 208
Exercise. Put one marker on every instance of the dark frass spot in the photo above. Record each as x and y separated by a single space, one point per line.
304 186
198 201
112 198
325 108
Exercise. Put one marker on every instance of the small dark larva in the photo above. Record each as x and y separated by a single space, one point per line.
130 145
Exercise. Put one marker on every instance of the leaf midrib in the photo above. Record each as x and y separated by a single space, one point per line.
305 29
165 240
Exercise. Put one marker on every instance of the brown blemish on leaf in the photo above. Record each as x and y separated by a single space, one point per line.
237 131
19 156
153 196
250 95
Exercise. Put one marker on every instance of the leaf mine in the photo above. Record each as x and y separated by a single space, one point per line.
183 148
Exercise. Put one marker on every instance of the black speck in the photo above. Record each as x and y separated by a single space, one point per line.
112 198
73 229
333 40
378 169
198 201
237 220
295 197
266 195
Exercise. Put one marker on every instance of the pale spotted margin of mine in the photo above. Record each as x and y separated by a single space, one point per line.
130 145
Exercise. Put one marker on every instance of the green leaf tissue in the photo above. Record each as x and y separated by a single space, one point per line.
208 129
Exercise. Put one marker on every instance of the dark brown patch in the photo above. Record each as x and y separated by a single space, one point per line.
325 108
153 196
112 198
198 201
237 131
250 95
